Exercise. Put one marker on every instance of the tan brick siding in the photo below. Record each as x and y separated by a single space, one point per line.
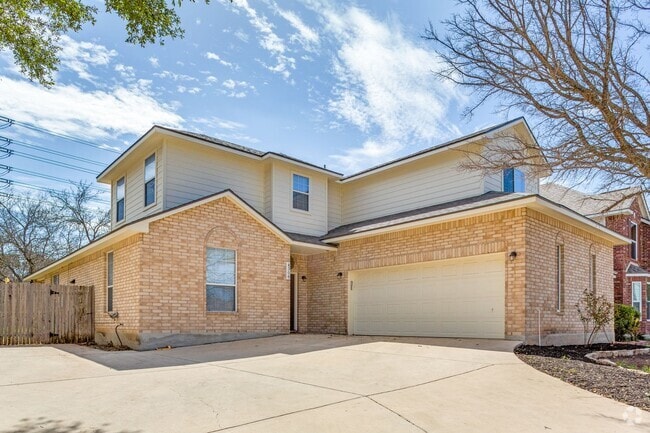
91 270
173 273
542 235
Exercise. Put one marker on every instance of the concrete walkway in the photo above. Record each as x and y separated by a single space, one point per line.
297 383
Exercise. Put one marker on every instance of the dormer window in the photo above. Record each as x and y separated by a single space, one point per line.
119 200
634 250
150 180
300 192
514 180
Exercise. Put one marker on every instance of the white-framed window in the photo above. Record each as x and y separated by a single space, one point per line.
634 235
636 296
221 279
559 276
119 199
592 272
55 279
514 180
647 301
109 281
150 180
300 187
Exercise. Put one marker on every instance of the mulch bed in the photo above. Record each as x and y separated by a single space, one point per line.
569 364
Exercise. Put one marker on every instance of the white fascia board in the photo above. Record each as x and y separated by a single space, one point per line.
611 213
314 246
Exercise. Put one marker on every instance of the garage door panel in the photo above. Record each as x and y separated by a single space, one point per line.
452 298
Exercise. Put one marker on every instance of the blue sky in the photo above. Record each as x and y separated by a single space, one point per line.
344 84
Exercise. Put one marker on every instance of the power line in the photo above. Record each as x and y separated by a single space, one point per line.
5 142
45 176
47 161
10 122
49 190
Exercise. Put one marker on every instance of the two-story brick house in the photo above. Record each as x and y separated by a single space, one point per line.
624 211
213 241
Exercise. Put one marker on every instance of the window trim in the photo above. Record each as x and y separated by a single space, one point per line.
647 300
634 246
638 301
593 278
235 286
123 178
110 288
308 194
559 277
145 181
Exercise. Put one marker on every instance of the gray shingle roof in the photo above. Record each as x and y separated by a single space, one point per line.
487 199
633 269
307 239
589 204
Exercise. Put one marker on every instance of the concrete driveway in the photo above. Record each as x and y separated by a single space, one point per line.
297 383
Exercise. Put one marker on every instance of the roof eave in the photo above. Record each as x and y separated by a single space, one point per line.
535 202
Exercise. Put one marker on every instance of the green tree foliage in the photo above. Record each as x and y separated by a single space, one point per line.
31 29
626 321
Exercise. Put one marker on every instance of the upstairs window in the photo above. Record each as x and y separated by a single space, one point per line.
634 251
119 200
221 279
55 279
150 180
514 180
300 192
647 301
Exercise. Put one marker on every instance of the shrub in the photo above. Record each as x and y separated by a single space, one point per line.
626 321
595 313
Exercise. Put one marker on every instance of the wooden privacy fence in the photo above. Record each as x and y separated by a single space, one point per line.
45 313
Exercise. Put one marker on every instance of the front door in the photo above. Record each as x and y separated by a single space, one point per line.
293 304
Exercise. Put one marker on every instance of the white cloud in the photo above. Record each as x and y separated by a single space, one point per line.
154 62
242 36
80 56
126 72
214 56
219 123
95 115
306 36
385 87
211 79
237 89
174 76
269 40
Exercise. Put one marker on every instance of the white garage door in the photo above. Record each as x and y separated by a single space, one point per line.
446 298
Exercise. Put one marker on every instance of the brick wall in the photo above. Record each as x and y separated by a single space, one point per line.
529 278
542 235
91 270
172 295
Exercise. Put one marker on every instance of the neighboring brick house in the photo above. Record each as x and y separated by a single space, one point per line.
624 211
213 241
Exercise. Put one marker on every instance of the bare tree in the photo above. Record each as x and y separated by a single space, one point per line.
84 222
577 67
29 235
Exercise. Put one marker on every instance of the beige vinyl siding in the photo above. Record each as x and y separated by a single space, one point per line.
333 204
268 191
425 182
134 189
194 171
313 222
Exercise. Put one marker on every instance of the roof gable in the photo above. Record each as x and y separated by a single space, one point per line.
604 204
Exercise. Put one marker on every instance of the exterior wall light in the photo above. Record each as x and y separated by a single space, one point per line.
339 275
304 278
512 256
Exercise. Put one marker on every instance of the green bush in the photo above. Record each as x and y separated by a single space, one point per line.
626 321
